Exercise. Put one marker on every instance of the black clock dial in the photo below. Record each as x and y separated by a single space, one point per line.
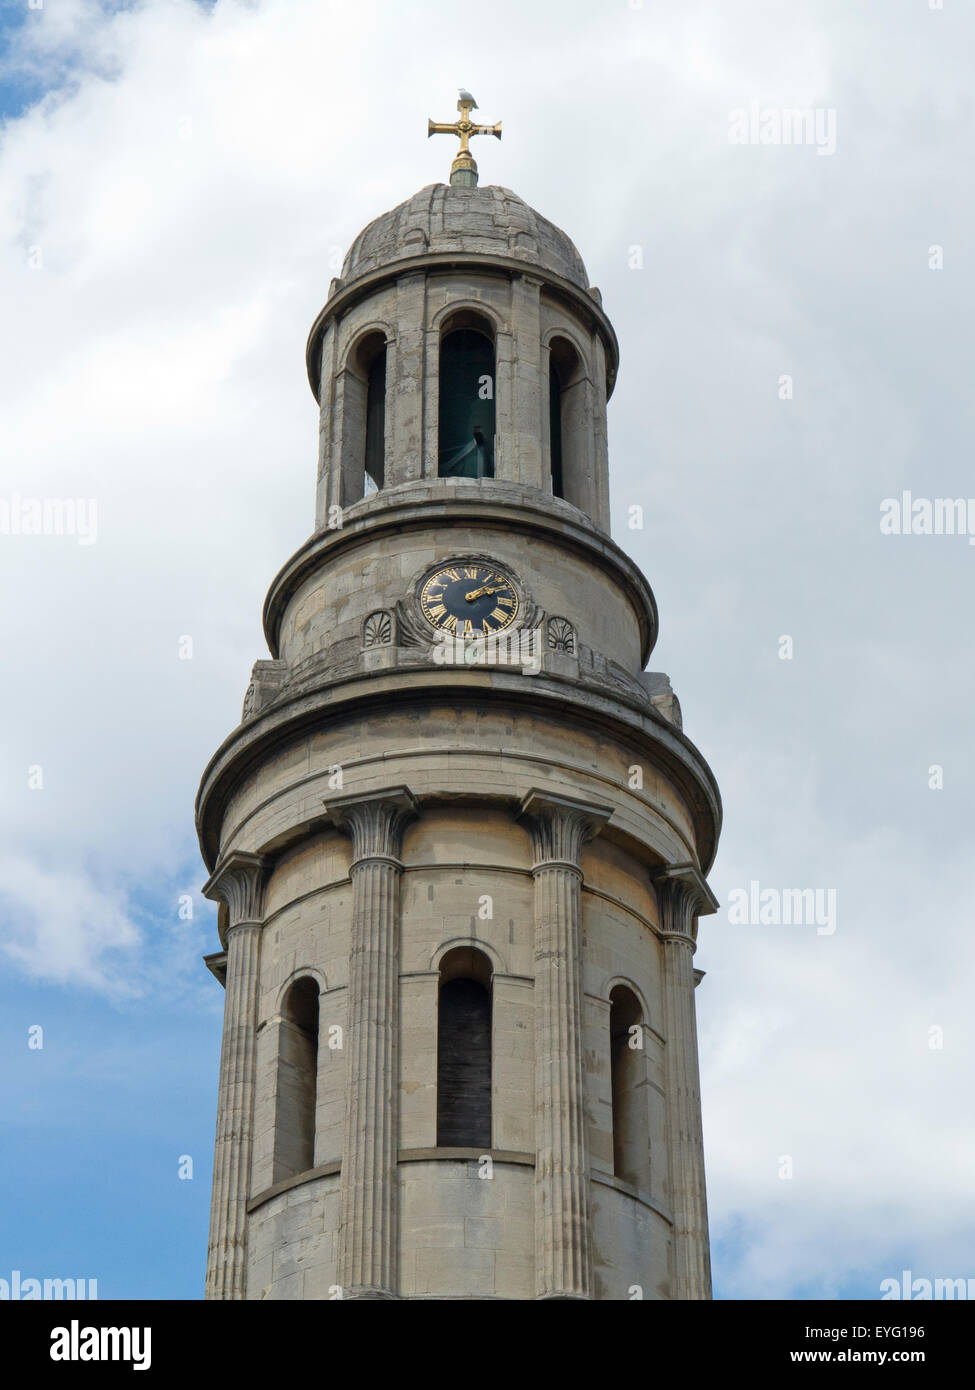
469 599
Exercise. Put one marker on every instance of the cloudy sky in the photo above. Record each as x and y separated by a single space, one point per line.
179 183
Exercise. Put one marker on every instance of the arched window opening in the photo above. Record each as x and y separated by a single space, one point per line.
364 429
570 433
555 427
294 1120
375 460
467 412
464 1050
630 1134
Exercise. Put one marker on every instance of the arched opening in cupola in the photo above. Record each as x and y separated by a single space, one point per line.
569 430
467 391
555 430
464 1050
366 411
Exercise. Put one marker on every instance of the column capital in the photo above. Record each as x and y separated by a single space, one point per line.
682 895
238 880
560 826
374 820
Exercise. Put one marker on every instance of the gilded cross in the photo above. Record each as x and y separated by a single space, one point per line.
463 171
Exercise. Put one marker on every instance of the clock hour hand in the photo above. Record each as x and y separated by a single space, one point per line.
479 593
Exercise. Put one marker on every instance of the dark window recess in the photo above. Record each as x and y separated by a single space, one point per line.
294 1121
555 418
629 1104
376 419
466 405
464 1065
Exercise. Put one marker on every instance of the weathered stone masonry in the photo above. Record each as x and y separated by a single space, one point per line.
382 819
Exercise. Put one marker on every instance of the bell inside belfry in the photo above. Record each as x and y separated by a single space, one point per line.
466 405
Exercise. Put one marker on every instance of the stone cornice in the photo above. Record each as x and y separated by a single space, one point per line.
238 881
351 292
491 502
514 1157
560 826
216 963
251 743
375 821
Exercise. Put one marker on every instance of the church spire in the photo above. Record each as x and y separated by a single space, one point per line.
463 171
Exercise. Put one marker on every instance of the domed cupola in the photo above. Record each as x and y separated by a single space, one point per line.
442 219
463 341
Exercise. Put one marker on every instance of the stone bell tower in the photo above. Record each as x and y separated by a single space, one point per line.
459 838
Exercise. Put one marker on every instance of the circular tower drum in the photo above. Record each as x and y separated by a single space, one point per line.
459 837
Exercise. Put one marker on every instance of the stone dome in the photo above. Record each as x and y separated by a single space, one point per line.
490 221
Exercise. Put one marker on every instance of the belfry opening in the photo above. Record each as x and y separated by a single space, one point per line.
467 408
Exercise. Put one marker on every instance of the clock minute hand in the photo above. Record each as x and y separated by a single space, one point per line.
479 593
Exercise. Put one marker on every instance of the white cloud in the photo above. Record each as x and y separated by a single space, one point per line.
60 927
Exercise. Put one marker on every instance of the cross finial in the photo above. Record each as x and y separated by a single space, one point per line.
463 171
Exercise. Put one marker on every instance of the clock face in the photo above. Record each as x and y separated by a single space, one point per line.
469 600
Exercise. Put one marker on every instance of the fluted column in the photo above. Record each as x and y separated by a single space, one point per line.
368 1239
238 882
559 827
683 895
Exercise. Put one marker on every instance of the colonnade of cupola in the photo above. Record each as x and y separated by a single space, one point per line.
462 366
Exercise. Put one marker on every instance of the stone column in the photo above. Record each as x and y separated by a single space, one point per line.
529 414
598 507
408 398
505 438
683 895
559 827
349 426
328 492
239 883
368 1239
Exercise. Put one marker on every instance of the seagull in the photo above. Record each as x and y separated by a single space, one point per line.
466 96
